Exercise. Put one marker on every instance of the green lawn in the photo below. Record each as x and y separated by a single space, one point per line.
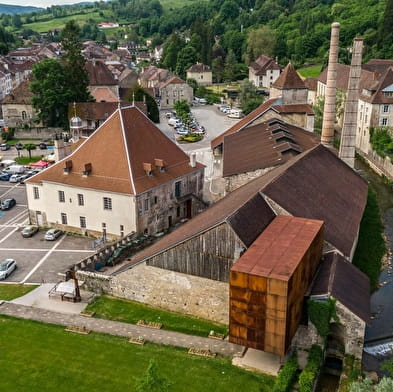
59 23
312 71
43 357
22 160
130 312
12 291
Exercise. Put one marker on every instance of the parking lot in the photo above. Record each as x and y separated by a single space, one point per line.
38 261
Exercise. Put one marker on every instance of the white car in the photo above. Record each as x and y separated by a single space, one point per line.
182 131
53 234
15 178
7 267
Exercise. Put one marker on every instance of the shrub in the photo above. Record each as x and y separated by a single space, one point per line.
287 376
321 312
310 372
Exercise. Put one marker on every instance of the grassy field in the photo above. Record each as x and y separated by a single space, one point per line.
131 312
58 23
43 357
12 291
312 71
171 4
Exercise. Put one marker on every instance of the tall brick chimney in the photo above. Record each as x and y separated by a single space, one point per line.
348 133
329 110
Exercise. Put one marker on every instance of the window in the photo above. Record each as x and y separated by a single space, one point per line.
155 199
107 203
63 218
177 188
36 192
61 197
388 93
24 115
121 227
385 108
146 204
384 121
82 222
81 200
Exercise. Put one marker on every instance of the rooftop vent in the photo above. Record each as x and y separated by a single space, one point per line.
87 170
160 164
147 167
67 168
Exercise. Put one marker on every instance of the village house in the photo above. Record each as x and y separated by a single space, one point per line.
173 90
264 71
126 177
102 85
201 73
152 76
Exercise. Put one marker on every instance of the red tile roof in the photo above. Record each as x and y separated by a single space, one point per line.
117 151
99 74
289 79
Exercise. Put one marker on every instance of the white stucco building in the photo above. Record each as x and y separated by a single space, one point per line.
126 177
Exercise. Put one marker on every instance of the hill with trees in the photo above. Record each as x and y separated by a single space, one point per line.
18 9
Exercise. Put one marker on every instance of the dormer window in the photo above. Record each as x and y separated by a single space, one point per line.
87 170
147 167
159 164
67 168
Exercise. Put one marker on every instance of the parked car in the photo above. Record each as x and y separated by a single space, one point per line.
7 267
53 234
174 121
42 146
15 178
5 176
19 146
200 129
4 147
182 131
170 114
7 204
29 231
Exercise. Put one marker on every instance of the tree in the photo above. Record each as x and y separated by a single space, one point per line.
260 41
151 381
51 94
218 69
73 63
29 147
230 66
186 57
139 94
249 99
171 49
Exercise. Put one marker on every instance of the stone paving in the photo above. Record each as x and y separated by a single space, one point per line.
221 347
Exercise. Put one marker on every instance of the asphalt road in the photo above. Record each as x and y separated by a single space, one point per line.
38 261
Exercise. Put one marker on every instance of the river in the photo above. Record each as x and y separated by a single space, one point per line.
379 335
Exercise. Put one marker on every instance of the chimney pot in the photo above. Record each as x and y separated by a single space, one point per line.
193 159
68 166
147 167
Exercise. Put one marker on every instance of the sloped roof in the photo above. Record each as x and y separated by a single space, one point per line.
104 94
319 185
311 83
199 68
313 185
172 80
289 79
98 110
378 96
278 251
117 151
275 104
378 66
99 74
257 146
340 279
342 76
262 64
19 95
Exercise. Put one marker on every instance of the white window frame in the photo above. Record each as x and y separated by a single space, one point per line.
81 199
36 192
107 201
64 219
82 222
61 196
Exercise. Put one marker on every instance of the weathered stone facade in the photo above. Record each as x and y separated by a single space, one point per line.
173 92
237 180
173 291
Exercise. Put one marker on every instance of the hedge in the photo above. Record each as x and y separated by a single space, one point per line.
310 372
287 376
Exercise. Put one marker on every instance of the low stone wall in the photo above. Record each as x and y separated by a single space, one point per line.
37 133
204 298
95 282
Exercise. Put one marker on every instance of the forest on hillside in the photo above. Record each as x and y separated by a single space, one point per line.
226 34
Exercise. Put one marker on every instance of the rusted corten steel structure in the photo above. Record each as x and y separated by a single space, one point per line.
269 282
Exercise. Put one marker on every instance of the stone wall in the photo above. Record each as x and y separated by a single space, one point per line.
237 180
204 298
382 166
38 133
97 283
354 330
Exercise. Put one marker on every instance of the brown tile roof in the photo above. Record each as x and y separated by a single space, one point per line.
342 76
378 97
172 80
19 95
104 94
98 110
289 79
378 66
318 185
314 185
275 104
117 151
340 279
262 64
99 74
257 147
311 83
199 68
247 120
277 252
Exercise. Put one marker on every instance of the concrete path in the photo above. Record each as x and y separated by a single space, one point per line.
121 329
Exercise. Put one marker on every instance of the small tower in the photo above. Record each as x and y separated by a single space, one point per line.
75 126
